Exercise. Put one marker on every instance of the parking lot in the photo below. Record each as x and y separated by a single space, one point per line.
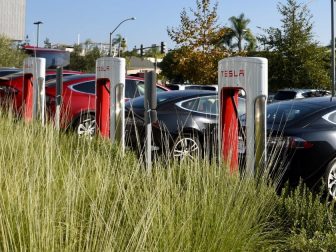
300 123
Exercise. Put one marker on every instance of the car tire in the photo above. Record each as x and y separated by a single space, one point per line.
330 179
86 125
187 147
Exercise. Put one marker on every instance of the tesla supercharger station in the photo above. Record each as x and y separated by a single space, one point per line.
251 75
33 96
110 96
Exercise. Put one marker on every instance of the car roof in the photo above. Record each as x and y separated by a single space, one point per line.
87 76
298 90
185 93
178 94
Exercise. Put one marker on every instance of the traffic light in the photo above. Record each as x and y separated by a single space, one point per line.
163 47
141 50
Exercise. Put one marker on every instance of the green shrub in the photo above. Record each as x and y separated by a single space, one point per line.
10 56
308 221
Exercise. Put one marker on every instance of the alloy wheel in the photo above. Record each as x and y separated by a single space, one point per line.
186 148
86 127
331 181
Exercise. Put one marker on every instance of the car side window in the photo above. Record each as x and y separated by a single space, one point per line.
131 90
190 104
193 87
307 94
141 88
50 77
208 105
330 117
85 87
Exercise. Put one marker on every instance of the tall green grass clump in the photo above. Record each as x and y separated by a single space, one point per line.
64 193
308 220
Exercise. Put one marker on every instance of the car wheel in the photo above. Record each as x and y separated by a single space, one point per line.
86 125
187 147
330 178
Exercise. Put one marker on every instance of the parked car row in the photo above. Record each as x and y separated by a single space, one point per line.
78 95
301 132
186 126
11 86
78 110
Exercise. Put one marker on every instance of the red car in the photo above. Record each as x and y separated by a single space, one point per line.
11 87
78 100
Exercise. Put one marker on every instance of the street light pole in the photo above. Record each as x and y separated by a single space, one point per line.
110 48
38 30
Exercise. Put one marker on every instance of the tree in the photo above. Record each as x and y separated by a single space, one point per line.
10 56
84 62
198 38
296 59
169 67
76 58
200 32
91 58
239 32
120 42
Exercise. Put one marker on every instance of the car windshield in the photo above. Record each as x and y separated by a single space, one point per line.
285 95
4 72
173 87
52 82
12 75
53 58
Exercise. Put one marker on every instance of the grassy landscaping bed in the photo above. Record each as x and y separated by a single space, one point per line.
63 193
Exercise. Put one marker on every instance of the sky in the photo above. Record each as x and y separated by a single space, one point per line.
70 21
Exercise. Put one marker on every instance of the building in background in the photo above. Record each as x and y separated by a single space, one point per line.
12 19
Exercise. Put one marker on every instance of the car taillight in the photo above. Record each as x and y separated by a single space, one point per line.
290 142
298 143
